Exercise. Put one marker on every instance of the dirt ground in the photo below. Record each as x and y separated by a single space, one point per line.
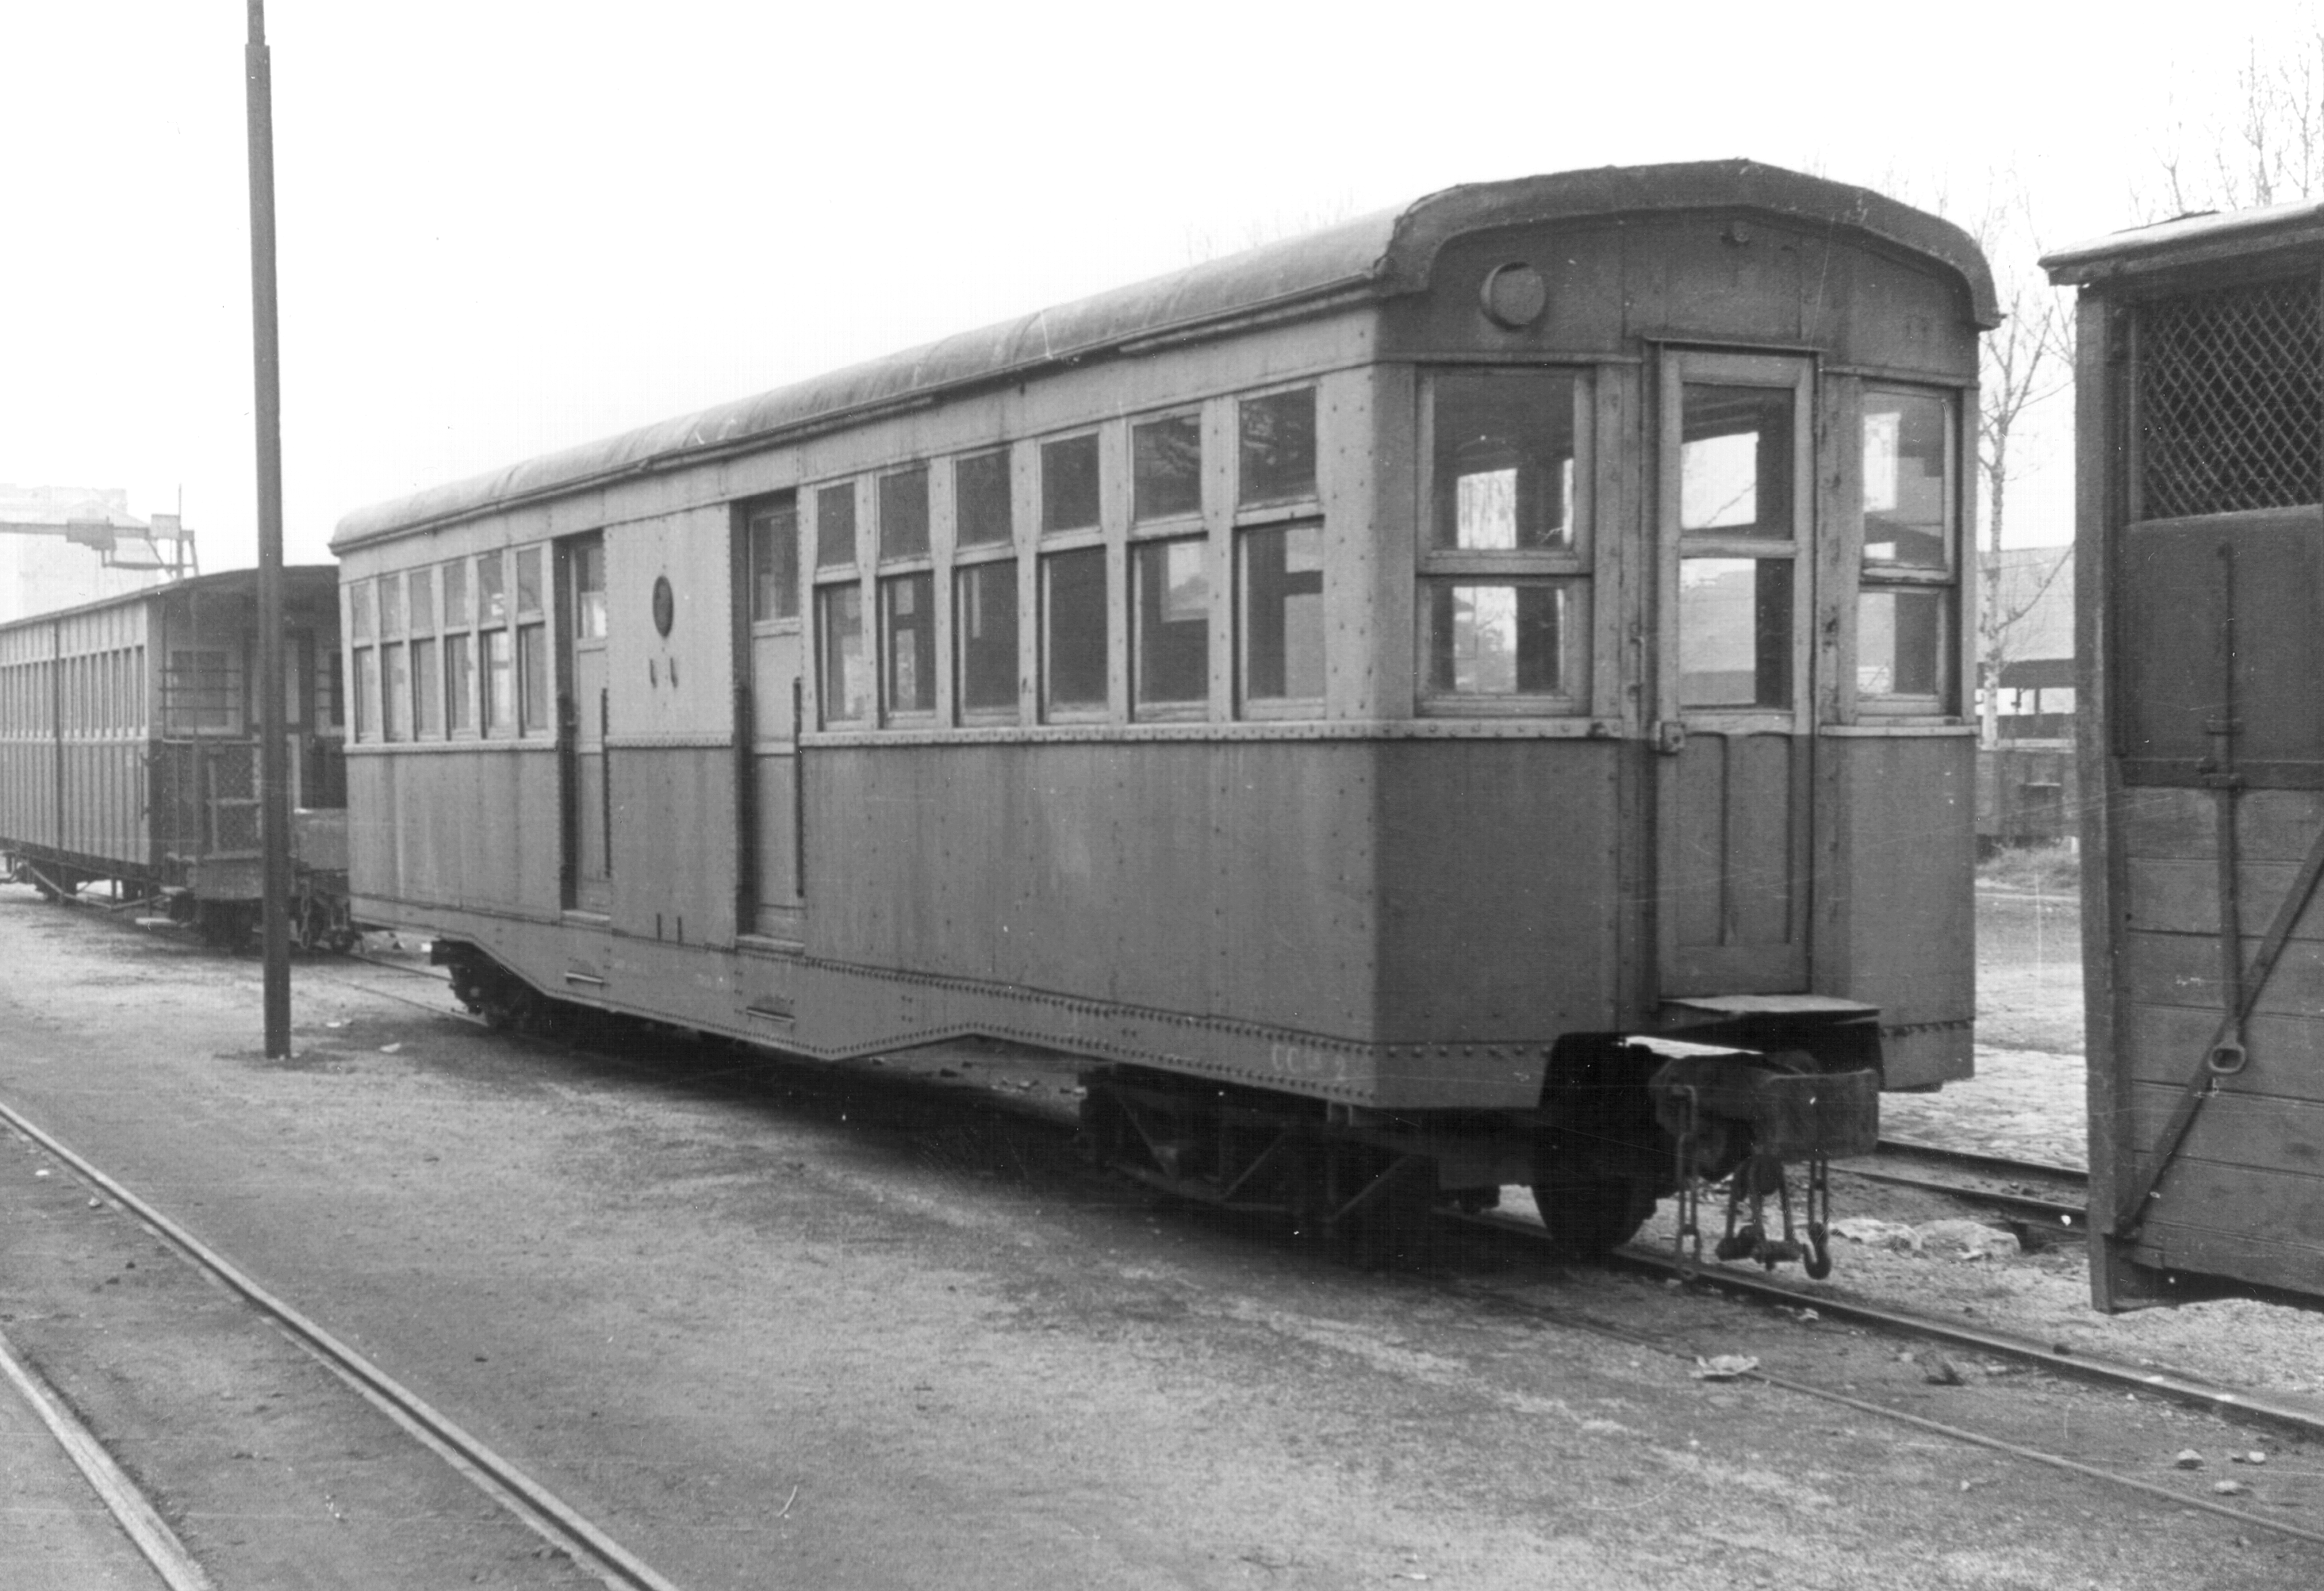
772 1324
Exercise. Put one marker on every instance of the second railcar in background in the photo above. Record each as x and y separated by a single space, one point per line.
1356 691
129 749
2200 562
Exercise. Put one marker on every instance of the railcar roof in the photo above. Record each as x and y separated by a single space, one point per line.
2188 240
295 576
1374 256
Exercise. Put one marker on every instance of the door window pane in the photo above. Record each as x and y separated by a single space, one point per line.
1734 632
835 526
985 618
1902 643
1735 460
1069 500
1172 598
773 550
1283 613
1905 495
908 616
1277 437
981 505
843 684
1075 640
589 590
1504 462
904 514
1166 467
1497 638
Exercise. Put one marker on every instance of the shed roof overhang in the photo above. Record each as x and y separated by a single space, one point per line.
1370 258
2207 237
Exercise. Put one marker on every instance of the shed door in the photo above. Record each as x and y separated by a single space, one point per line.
1734 737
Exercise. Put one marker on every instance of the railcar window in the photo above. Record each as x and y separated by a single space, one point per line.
1497 638
1282 615
1170 600
427 690
1277 447
1906 452
499 685
984 511
456 615
1069 484
589 589
1734 632
533 679
1735 462
773 543
841 685
359 635
907 619
1166 467
390 607
904 514
1505 448
366 693
1905 644
984 620
492 590
1073 632
395 676
835 526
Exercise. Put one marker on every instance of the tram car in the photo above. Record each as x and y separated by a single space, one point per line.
1470 697
129 748
2199 556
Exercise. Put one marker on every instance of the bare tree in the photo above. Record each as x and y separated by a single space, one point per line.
2025 362
2269 151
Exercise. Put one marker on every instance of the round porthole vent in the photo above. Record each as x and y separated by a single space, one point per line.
1514 295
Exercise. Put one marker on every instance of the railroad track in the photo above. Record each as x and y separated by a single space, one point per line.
548 1515
2036 1199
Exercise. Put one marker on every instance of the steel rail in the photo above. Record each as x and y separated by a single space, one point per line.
1948 1168
1573 1320
546 1513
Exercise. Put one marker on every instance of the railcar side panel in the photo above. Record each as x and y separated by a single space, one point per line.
1234 880
1500 907
1898 866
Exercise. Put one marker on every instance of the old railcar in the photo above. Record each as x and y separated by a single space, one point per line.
1351 690
2200 547
129 748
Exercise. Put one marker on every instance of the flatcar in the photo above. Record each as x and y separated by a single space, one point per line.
2199 556
1470 697
129 750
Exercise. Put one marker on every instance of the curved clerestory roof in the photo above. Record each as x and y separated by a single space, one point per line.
1372 257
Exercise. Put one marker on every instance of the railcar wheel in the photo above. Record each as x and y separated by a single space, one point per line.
1589 1219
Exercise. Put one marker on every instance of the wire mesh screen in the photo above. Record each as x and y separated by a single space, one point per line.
2230 400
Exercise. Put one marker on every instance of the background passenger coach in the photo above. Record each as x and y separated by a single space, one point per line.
1352 690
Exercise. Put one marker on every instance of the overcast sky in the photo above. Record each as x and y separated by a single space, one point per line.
509 226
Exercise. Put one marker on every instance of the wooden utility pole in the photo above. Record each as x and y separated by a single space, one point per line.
273 807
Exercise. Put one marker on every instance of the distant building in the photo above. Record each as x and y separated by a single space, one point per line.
42 573
2033 598
2027 791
